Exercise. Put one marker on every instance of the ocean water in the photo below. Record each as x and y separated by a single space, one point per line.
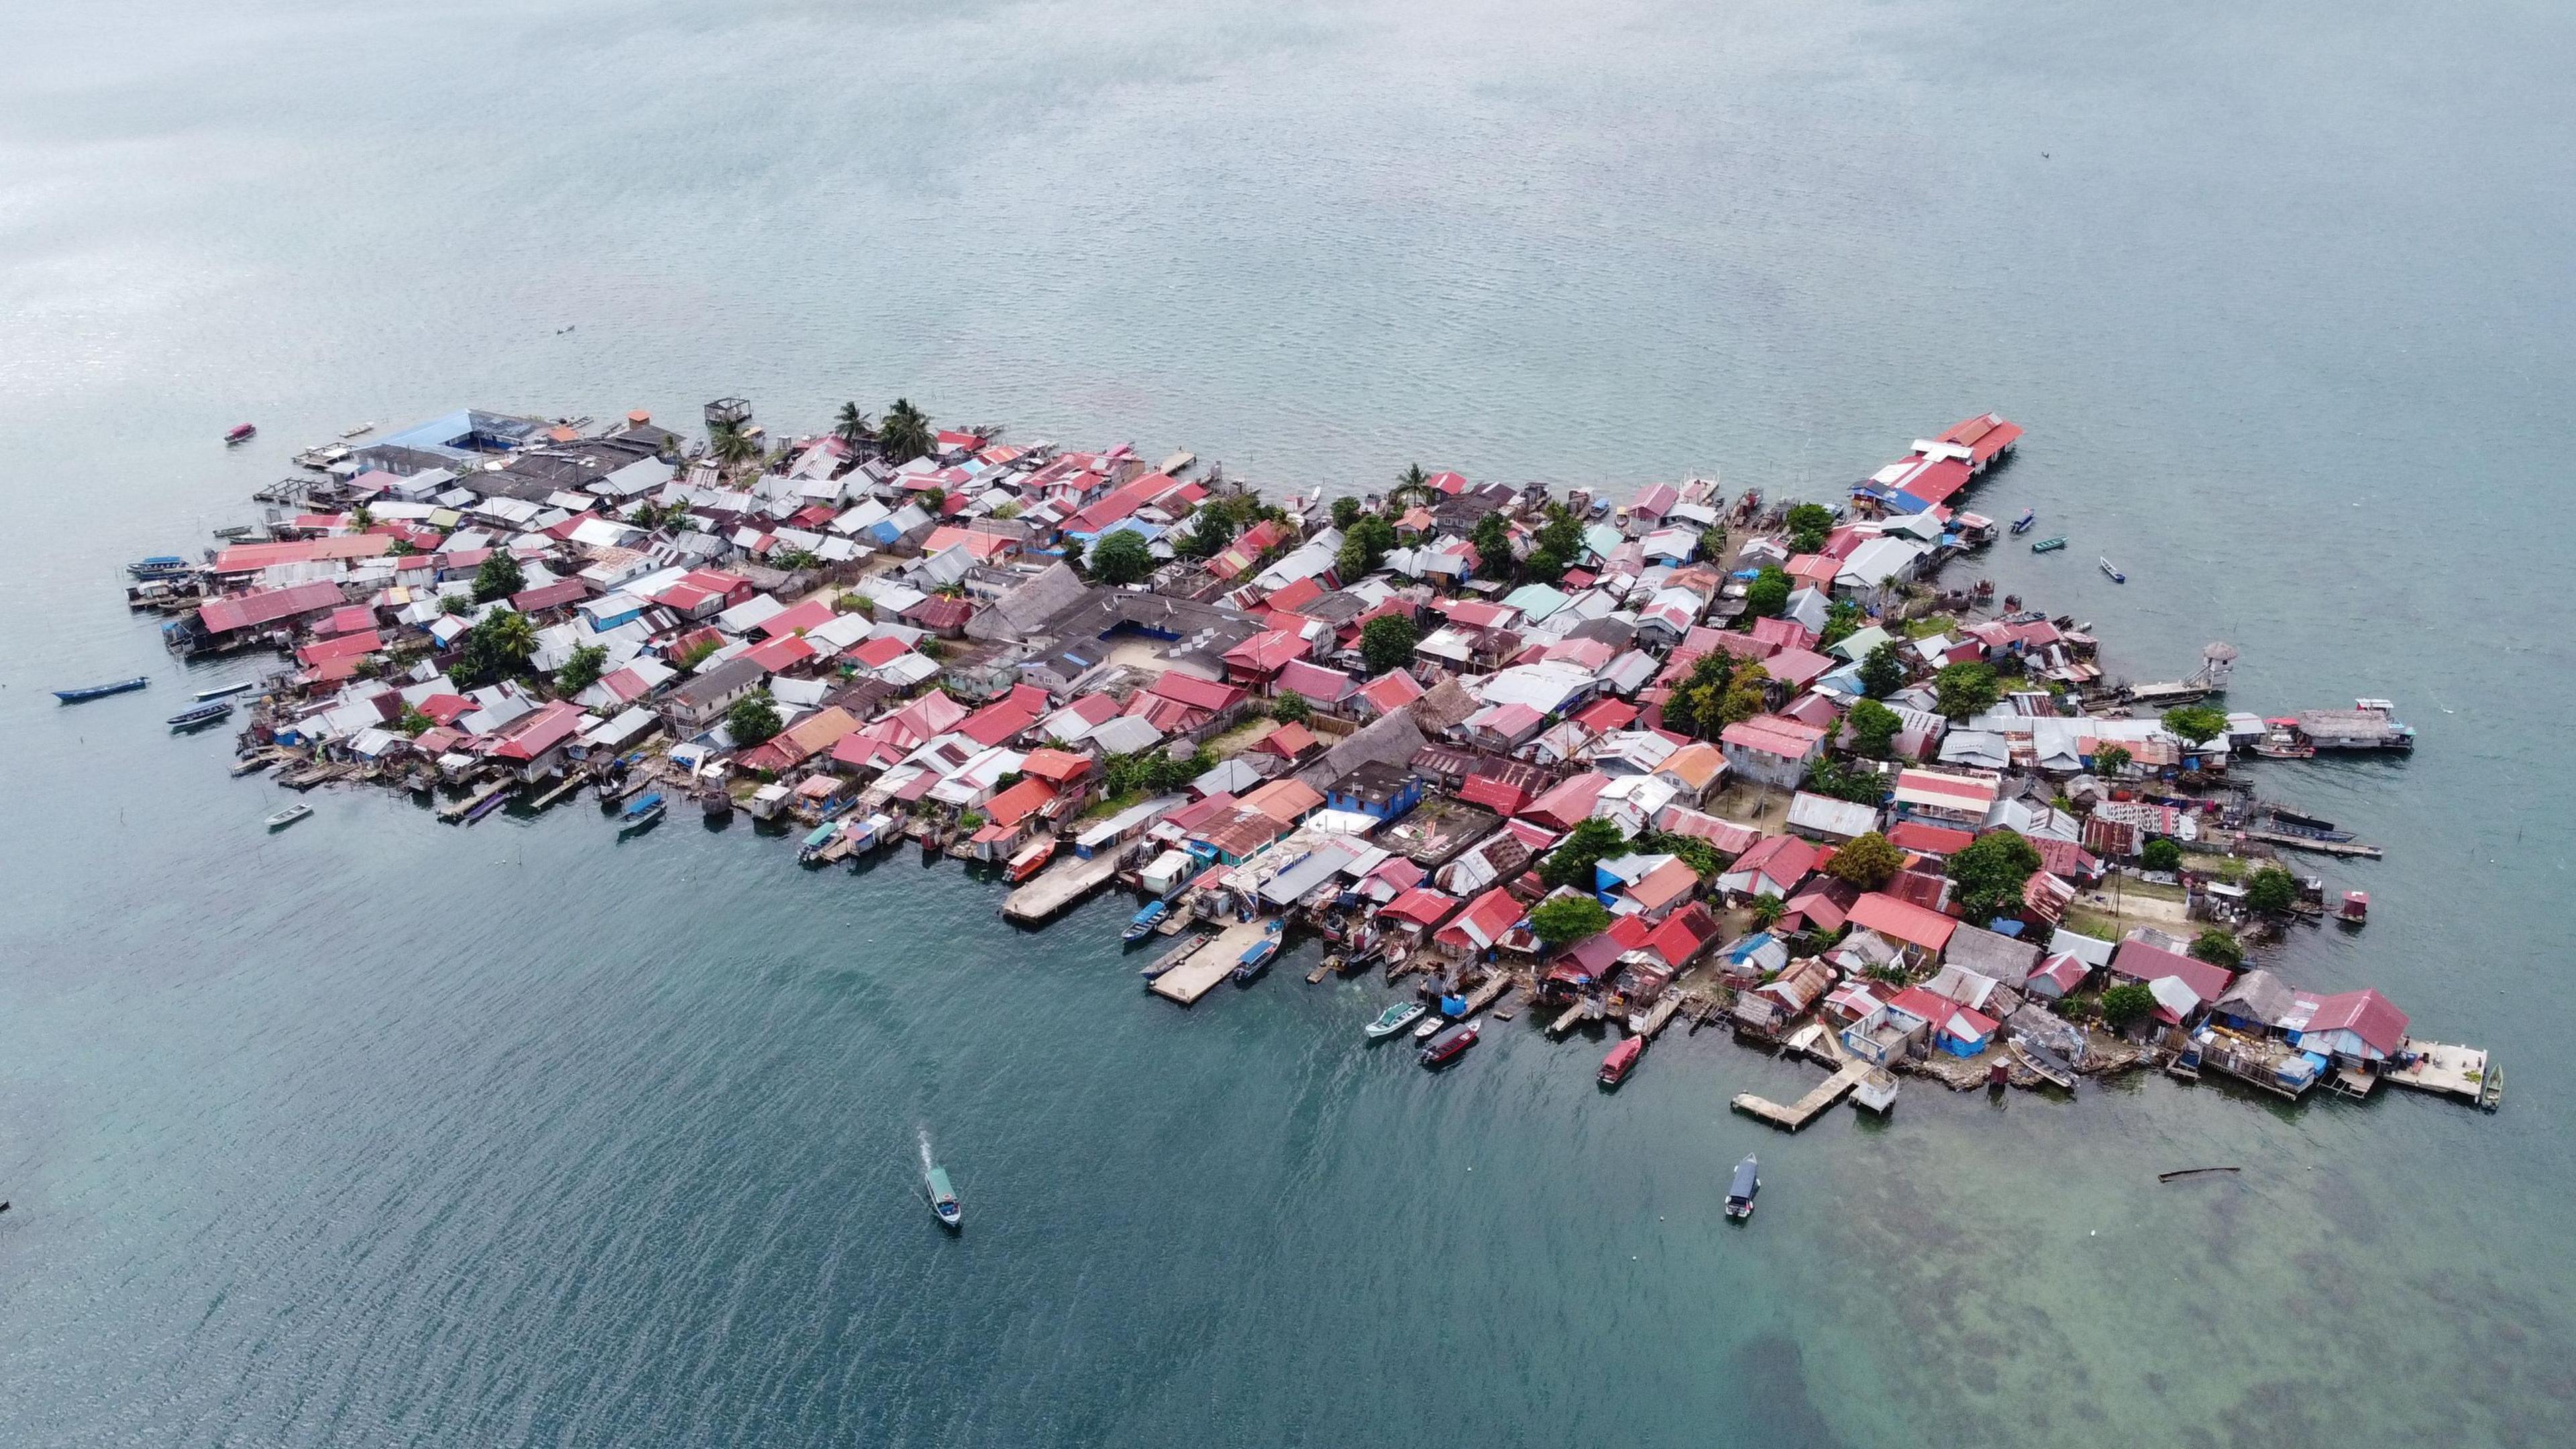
384 1132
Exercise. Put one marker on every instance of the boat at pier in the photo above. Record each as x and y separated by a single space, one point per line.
1449 1046
101 691
1142 924
2110 571
226 691
289 816
2049 545
1741 1191
2022 524
1256 958
1030 861
1395 1019
159 566
200 715
240 433
943 1199
1622 1060
810 852
642 813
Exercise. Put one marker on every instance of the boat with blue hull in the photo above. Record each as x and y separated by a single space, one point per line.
199 716
642 814
102 691
159 566
1142 924
2022 524
1257 957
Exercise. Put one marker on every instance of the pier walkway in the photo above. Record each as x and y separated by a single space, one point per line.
1058 887
1210 964
1799 1113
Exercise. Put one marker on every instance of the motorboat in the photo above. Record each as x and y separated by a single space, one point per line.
816 841
1030 861
1741 1192
1622 1060
642 813
1430 1027
2112 572
240 433
1395 1019
943 1199
1449 1046
1142 924
198 716
1257 957
226 691
288 816
101 691
159 566
2022 524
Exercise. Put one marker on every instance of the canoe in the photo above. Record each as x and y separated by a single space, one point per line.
288 816
101 691
199 715
2048 545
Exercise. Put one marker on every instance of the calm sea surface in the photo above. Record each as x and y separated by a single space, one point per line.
385 1132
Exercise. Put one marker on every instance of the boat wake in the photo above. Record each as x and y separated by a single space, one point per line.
923 1134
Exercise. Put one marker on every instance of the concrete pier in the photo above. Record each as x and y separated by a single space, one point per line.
1210 964
1799 1113
1058 887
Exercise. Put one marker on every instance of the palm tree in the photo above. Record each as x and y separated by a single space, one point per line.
1413 486
361 518
853 425
733 447
905 433
512 636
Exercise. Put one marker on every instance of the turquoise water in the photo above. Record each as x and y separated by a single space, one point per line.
379 1131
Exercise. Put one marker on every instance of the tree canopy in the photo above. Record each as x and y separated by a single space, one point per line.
1364 547
1346 511
1867 861
1571 863
905 433
1990 872
1492 537
2160 854
1121 557
2194 722
499 577
1567 919
752 720
1845 782
2126 1003
1966 688
2271 890
1386 642
1882 670
1808 525
1291 708
498 647
582 670
1768 594
2110 760
2219 947
1874 728
852 425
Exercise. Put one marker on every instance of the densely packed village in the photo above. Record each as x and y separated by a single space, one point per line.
1687 758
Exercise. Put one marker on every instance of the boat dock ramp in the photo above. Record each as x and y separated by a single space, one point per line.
2284 840
1211 963
1807 1108
1058 887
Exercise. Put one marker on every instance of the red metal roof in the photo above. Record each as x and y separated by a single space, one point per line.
548 596
1421 906
1484 922
2141 962
811 614
1934 840
1902 921
267 606
533 734
345 646
2364 1013
777 654
1191 690
1017 803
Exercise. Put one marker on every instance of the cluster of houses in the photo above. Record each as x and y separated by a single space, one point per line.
934 643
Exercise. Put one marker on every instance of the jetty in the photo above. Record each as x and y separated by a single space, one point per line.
2346 849
1058 887
1209 964
474 807
1807 1108
2466 1073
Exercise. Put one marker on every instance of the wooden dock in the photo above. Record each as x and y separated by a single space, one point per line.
1659 1016
1487 994
1805 1110
1059 886
464 809
1565 1023
570 784
2347 849
1209 964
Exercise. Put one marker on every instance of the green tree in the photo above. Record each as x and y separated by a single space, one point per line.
1694 852
1745 696
1492 538
1364 547
1768 594
2110 760
414 723
1966 688
2271 890
905 433
1874 728
2219 948
361 518
752 720
852 425
1346 511
1571 863
1867 861
1882 670
1712 542
1767 910
1842 620
1845 782
1990 872
1386 642
1808 525
734 449
498 647
1121 557
2193 722
1290 707
2127 1003
1568 919
499 577
582 670
2161 854
1412 486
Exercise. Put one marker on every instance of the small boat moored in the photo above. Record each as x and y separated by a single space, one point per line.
2049 545
198 716
101 691
240 433
2022 524
159 566
1257 957
227 691
1395 1019
943 1199
288 816
644 811
1741 1191
1449 1046
1622 1060
1142 924
821 836
2112 572
1030 861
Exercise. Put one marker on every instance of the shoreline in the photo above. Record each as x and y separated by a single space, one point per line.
1678 758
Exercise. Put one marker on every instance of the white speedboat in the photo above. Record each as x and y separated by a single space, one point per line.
1395 1019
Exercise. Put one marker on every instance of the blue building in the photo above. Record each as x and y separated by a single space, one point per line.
1377 790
